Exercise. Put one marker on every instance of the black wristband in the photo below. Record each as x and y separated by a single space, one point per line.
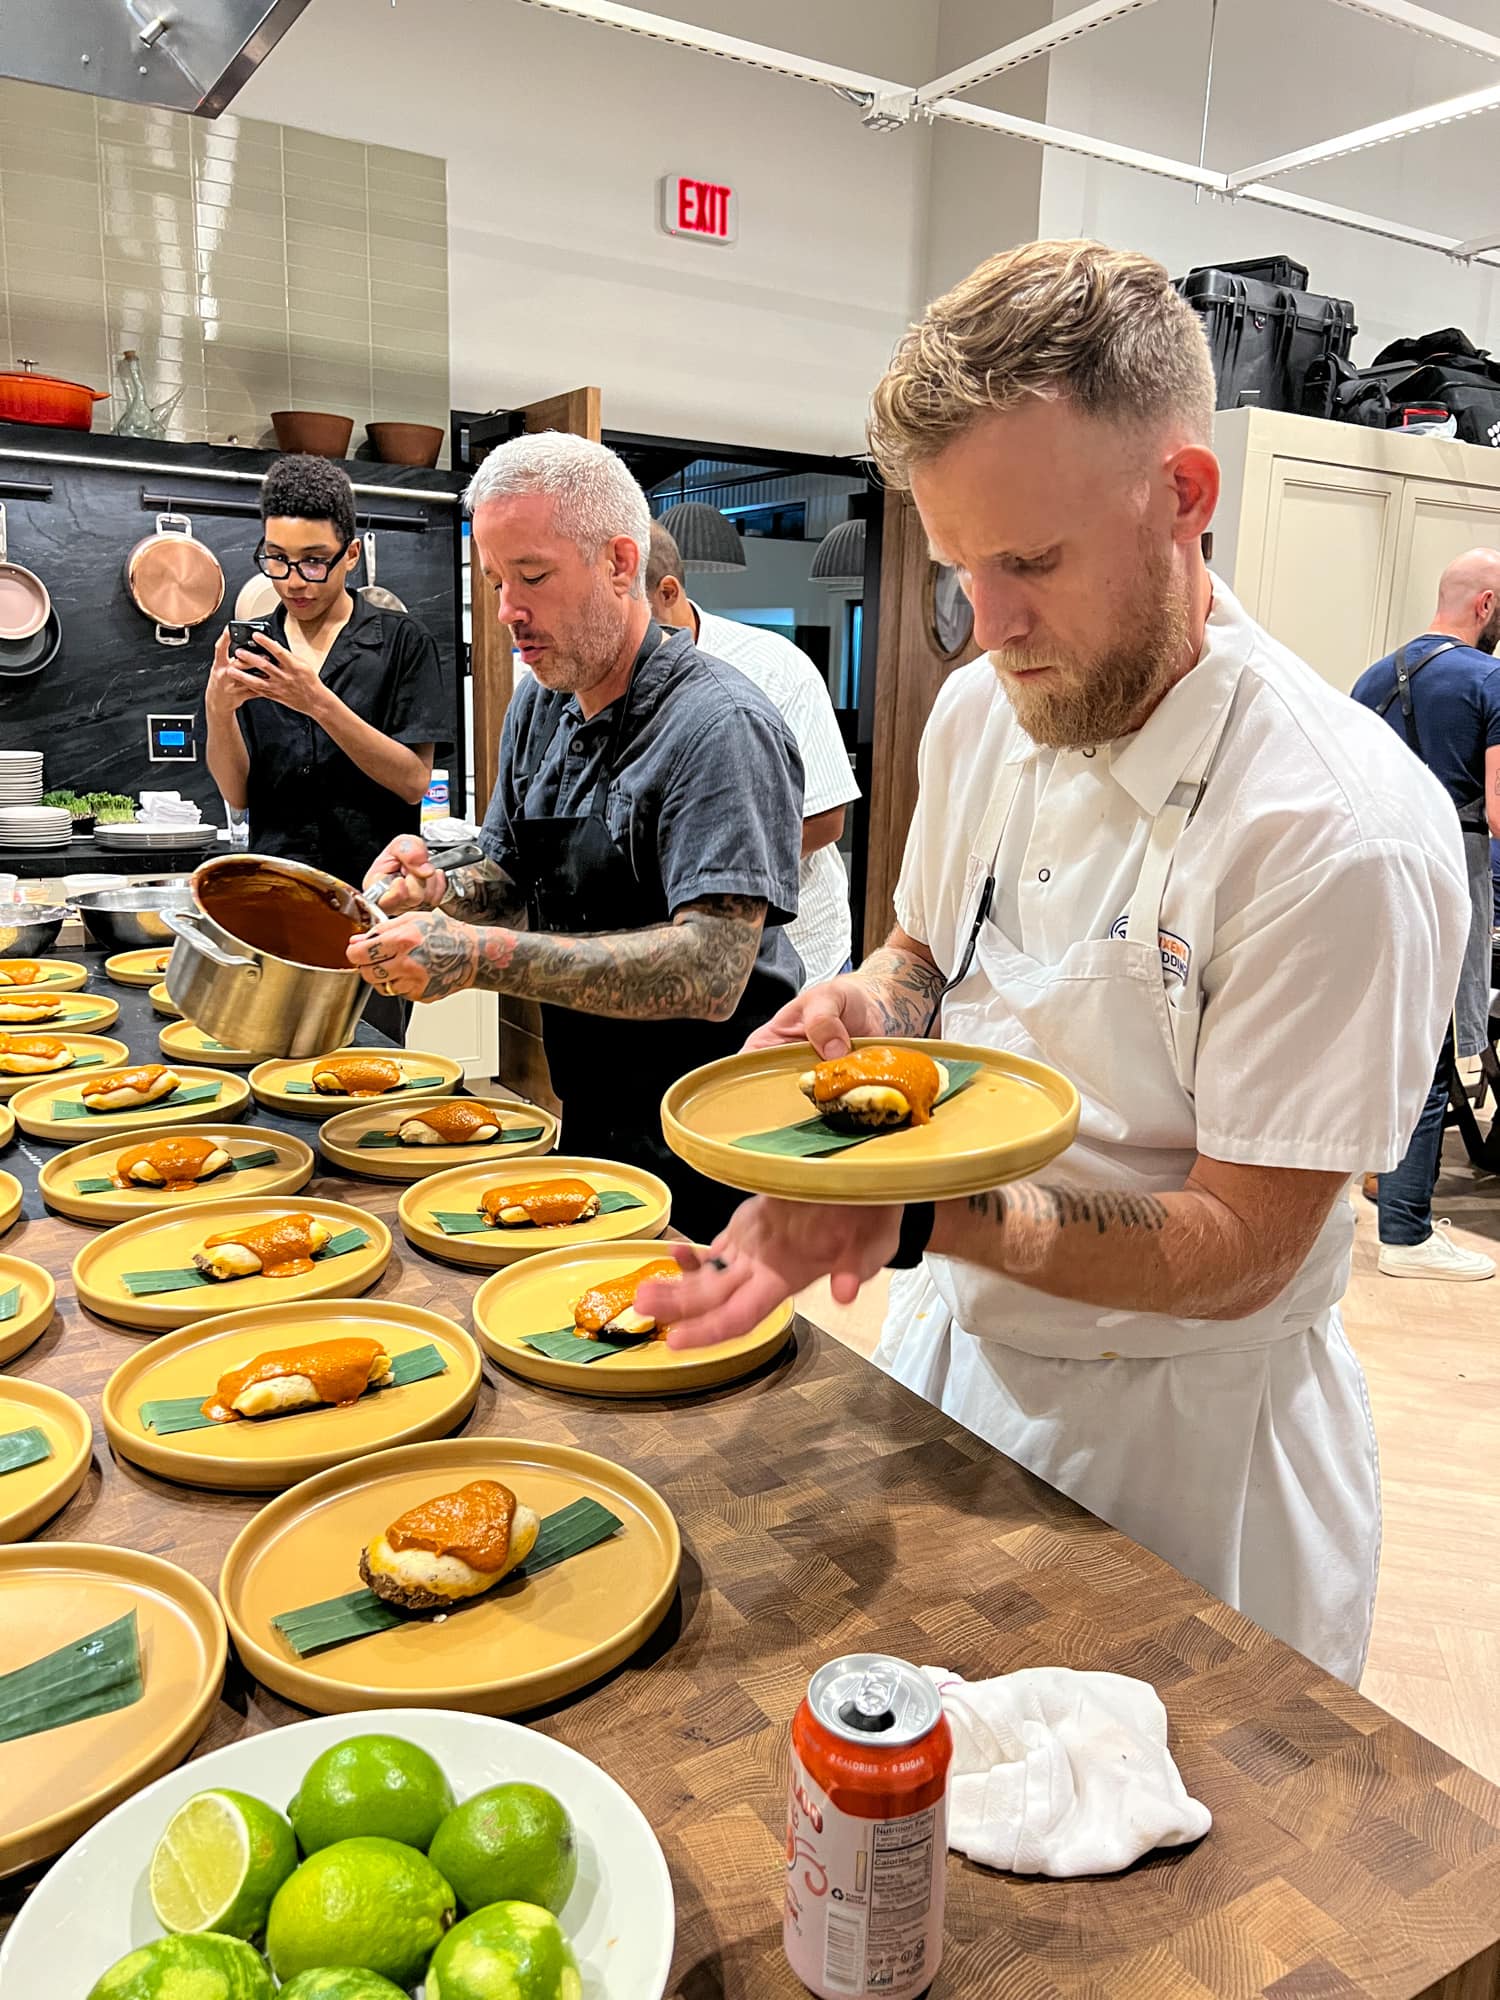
917 1219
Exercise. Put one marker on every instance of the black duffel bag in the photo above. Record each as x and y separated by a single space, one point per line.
1430 371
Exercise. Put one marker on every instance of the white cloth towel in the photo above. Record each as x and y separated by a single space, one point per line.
1062 1773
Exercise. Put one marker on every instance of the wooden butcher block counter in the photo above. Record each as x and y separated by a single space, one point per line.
824 1509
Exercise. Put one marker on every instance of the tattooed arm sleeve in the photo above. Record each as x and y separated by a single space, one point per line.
693 969
483 894
904 982
1222 1246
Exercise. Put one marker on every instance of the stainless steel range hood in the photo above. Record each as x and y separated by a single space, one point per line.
186 55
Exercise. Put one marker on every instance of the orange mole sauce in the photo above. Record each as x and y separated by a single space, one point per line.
598 1307
339 1371
458 1122
31 1045
19 972
131 1079
283 1245
279 914
362 1076
547 1203
906 1070
473 1524
178 1161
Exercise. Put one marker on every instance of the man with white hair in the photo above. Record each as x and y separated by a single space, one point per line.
643 838
1441 694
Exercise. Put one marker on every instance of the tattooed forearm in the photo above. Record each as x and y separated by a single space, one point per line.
692 969
483 894
904 986
1099 1209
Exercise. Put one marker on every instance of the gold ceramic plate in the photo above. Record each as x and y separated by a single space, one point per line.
34 1114
185 1041
56 1784
166 1242
10 1200
273 1453
33 1494
461 1188
96 1157
530 1641
339 1139
269 1081
163 1002
1013 1118
34 1314
77 1014
106 1047
537 1295
139 968
58 975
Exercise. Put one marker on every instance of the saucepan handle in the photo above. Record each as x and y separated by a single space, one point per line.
183 924
462 856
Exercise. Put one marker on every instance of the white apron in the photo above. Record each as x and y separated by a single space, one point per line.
1241 1451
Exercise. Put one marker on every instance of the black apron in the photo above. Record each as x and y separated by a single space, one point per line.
611 1074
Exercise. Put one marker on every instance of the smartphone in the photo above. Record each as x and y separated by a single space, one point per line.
242 636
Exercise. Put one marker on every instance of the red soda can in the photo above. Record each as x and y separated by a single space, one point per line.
867 1830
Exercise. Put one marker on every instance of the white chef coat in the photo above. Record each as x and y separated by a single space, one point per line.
1265 981
822 931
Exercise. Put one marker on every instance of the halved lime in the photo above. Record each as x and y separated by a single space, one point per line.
220 1860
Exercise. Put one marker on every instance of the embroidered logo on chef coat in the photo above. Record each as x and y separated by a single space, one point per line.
1176 952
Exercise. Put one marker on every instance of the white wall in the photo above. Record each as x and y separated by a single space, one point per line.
557 133
1286 73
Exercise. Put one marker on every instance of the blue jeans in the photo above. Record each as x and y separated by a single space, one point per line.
1406 1193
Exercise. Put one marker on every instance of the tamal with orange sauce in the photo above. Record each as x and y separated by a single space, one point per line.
455 1124
549 1204
284 1247
33 1055
607 1311
128 1089
450 1547
19 972
335 1372
171 1164
356 1076
876 1088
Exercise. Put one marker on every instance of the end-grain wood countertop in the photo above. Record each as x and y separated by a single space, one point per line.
824 1509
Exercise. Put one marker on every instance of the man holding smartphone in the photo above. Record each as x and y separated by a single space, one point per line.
326 726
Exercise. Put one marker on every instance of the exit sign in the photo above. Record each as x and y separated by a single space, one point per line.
692 207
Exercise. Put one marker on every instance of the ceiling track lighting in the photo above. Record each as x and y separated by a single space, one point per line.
1430 26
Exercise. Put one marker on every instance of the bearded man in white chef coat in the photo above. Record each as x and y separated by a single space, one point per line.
1226 902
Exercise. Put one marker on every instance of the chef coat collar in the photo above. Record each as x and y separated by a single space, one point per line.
1149 763
361 628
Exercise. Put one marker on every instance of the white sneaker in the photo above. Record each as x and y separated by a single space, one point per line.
1438 1257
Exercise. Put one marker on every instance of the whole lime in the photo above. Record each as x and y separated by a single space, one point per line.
368 1903
339 1982
205 1966
510 1951
375 1787
221 1858
513 1843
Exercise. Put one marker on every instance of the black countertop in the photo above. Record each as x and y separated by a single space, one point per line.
87 857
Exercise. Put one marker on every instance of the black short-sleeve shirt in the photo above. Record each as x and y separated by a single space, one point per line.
706 795
308 800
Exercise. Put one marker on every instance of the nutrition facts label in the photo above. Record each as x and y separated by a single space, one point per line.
900 1898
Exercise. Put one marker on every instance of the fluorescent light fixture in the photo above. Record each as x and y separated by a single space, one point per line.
1041 42
955 112
730 48
1423 21
1423 120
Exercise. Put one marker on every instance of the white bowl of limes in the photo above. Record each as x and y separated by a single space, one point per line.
198 1854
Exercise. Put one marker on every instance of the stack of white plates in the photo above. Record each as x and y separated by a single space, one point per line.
34 826
20 777
133 835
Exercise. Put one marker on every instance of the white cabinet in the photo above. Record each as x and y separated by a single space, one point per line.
465 1027
1334 537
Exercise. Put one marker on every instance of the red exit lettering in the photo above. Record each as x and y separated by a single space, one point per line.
703 208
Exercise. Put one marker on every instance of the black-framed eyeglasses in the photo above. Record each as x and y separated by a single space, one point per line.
311 569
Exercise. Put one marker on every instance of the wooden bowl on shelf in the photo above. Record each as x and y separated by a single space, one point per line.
313 430
406 444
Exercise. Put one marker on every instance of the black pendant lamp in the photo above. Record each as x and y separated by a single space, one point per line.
841 555
705 539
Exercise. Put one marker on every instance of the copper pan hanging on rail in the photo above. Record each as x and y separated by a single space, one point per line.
175 579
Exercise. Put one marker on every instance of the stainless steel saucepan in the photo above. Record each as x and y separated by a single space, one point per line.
260 962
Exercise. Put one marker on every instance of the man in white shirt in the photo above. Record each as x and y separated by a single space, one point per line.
1156 851
822 933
